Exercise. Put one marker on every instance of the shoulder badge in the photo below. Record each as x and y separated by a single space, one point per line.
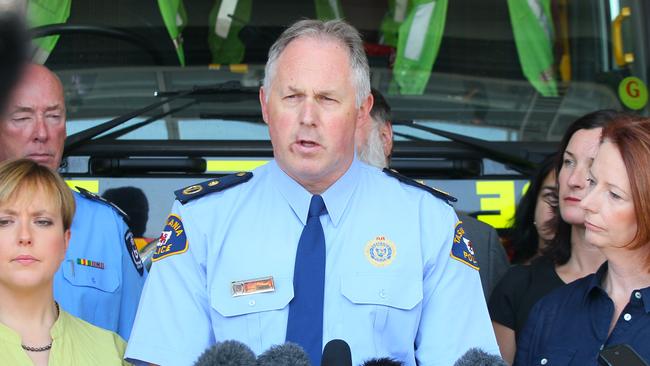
95 197
462 249
172 239
132 249
214 185
412 182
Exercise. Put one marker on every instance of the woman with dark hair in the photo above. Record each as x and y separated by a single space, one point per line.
537 207
611 307
568 256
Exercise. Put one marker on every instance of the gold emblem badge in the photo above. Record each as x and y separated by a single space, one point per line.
380 251
192 189
213 183
241 174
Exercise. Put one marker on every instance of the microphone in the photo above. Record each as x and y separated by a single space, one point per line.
384 361
336 353
477 357
13 48
227 353
288 354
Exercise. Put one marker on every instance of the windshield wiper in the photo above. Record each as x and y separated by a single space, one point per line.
518 159
228 91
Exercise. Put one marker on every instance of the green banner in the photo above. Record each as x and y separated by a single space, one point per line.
45 12
419 41
397 12
175 19
328 9
227 18
532 26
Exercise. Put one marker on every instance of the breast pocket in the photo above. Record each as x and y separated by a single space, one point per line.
384 306
102 279
255 319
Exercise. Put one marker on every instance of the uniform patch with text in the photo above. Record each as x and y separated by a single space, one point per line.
172 239
133 252
462 249
380 251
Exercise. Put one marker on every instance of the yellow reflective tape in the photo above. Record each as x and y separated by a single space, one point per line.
504 202
230 166
214 66
90 185
239 68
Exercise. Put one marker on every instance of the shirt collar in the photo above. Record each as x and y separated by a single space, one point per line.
594 285
336 197
597 280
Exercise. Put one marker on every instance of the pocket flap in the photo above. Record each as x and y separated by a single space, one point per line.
394 290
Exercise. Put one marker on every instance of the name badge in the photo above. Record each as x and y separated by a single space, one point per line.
254 286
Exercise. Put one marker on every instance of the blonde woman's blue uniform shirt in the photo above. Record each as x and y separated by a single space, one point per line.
101 278
391 286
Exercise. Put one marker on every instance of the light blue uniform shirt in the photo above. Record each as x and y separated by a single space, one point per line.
98 280
391 287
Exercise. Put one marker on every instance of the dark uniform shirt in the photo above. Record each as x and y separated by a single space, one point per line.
570 326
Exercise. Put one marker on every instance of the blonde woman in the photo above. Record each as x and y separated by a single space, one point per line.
36 210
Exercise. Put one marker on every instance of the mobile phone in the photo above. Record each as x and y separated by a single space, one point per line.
620 355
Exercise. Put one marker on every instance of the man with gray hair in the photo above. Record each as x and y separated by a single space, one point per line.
303 249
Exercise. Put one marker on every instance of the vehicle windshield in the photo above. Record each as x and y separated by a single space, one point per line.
483 69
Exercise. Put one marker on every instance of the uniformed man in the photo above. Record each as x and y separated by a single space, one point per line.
374 140
102 276
315 245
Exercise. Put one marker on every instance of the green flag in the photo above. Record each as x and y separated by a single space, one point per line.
175 19
419 41
532 26
227 18
45 12
397 12
328 9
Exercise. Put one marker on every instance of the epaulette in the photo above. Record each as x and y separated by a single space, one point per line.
95 197
194 191
411 182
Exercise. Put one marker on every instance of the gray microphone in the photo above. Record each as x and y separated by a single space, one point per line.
477 357
384 361
227 353
287 354
336 353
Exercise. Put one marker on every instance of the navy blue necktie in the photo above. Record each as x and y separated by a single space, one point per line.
305 325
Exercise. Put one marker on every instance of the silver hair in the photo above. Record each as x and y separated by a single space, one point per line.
336 30
371 151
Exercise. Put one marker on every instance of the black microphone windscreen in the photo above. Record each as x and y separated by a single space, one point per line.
336 353
13 52
227 353
477 357
384 361
288 354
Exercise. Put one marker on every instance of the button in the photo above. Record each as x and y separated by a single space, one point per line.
382 294
543 361
251 303
602 346
637 295
627 317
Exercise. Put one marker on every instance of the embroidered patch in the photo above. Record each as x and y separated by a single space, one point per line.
462 249
172 239
89 263
380 251
133 251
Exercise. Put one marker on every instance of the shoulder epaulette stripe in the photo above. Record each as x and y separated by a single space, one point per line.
411 182
194 191
95 197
